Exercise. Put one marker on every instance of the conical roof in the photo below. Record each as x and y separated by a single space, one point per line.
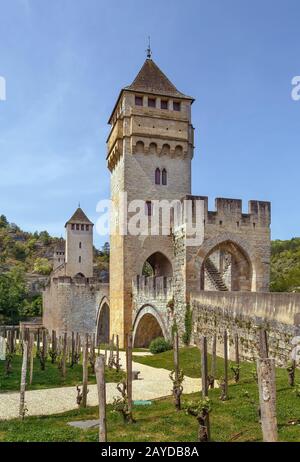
79 217
151 79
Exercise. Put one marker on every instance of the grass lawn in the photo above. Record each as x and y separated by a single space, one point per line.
232 420
49 378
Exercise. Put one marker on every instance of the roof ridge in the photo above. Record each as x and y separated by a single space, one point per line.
79 216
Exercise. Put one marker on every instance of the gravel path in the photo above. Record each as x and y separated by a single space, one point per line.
153 383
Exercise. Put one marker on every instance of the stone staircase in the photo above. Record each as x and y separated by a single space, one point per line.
215 276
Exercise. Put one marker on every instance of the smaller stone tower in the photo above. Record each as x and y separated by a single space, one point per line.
59 254
79 245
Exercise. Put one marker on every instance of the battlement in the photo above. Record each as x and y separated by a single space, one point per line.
155 286
76 280
230 210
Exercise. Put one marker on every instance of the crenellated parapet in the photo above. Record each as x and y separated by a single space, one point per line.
153 286
231 211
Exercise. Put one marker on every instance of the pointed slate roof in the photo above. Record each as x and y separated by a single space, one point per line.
151 79
79 217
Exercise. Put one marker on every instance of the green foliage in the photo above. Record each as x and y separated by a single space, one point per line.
12 294
186 338
285 266
159 345
3 221
42 266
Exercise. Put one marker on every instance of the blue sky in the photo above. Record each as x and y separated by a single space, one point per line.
65 61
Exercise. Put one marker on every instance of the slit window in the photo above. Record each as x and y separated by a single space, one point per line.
80 245
79 259
148 208
164 177
157 176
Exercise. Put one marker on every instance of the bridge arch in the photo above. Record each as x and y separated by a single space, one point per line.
147 326
227 252
103 321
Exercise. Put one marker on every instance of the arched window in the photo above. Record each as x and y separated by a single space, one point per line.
164 176
157 176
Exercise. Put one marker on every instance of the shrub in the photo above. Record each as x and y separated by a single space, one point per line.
159 345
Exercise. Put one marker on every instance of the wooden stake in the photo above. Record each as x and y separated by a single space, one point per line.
213 361
100 377
129 373
64 355
177 385
263 344
236 347
85 371
23 380
204 366
225 366
267 398
31 349
72 349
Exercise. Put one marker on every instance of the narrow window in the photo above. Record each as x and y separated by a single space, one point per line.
82 227
253 225
77 227
73 226
164 104
80 245
164 177
151 102
220 223
139 101
148 208
238 224
157 176
79 259
176 106
87 227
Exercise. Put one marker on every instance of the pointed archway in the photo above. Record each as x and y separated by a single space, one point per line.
148 325
102 335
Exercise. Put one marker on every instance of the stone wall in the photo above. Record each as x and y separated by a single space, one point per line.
70 304
244 314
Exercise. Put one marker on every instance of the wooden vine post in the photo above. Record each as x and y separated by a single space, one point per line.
85 371
224 383
267 398
176 376
129 375
204 377
213 362
64 355
263 344
31 349
101 386
22 409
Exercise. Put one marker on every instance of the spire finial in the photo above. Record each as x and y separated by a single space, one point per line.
149 52
78 204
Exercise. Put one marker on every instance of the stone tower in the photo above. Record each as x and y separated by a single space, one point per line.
79 245
150 148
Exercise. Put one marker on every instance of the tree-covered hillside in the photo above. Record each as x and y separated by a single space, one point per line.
24 258
285 266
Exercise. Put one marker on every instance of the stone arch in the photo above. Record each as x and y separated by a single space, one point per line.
147 326
139 147
178 150
243 256
153 148
103 321
160 264
79 275
166 149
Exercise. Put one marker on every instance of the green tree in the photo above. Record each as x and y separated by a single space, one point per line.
42 266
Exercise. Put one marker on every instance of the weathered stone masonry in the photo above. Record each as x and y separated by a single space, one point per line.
244 314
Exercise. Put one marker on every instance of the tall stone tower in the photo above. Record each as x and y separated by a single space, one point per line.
79 245
150 148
